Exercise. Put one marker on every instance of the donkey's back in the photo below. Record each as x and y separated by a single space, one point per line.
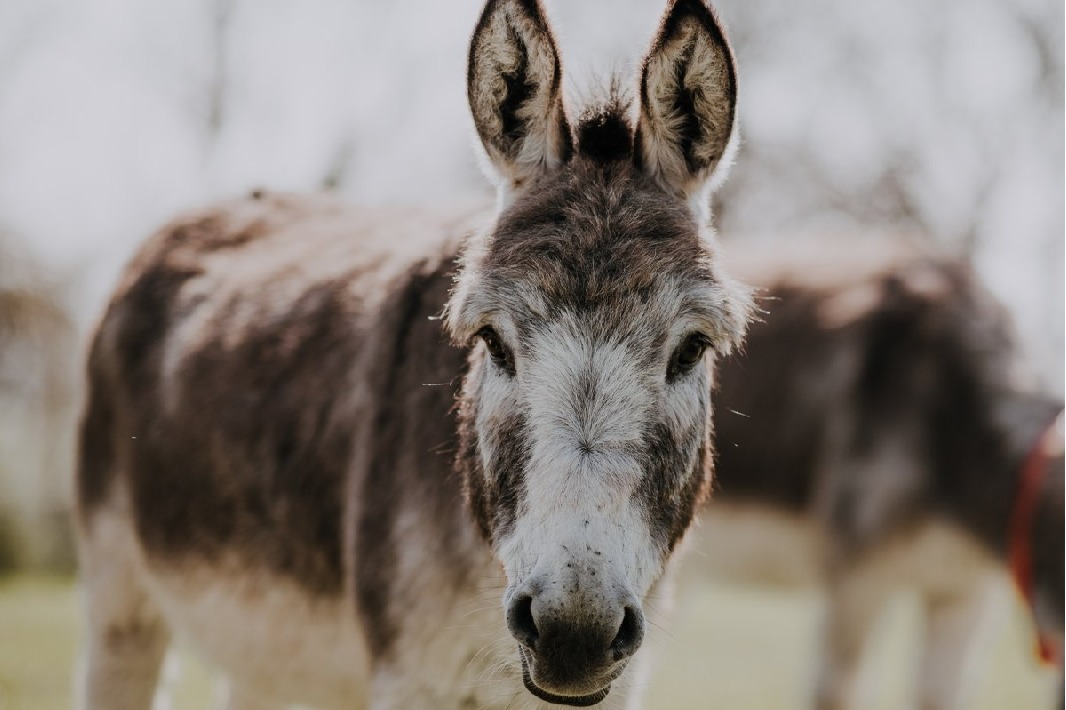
259 366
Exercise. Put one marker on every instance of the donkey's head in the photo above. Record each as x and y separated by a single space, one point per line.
593 305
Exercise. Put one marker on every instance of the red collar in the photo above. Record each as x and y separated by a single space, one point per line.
1020 543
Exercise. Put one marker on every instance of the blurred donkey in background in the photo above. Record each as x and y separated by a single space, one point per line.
877 433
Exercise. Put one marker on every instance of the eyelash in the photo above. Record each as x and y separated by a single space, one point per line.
498 352
683 360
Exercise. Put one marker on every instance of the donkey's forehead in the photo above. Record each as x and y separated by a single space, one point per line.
587 206
644 317
595 235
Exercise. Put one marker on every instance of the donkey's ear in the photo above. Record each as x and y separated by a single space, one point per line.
688 97
514 85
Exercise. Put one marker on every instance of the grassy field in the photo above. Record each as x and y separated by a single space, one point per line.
707 657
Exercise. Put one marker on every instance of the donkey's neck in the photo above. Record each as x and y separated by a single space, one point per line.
408 524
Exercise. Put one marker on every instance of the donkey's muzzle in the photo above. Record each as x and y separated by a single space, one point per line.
573 647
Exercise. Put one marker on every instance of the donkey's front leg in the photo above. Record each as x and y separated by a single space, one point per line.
951 655
127 637
857 596
122 668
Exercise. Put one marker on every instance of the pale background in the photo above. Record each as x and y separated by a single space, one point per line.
935 119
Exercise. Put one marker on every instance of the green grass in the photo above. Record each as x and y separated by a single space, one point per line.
738 648
38 636
753 648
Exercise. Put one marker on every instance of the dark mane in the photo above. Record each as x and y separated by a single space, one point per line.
604 131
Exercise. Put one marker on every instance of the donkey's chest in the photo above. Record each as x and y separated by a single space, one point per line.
269 638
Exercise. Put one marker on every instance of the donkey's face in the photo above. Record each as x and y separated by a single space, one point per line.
592 303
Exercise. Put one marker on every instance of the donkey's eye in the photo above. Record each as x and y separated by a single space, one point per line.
688 354
497 352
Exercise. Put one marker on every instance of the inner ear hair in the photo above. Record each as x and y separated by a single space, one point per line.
514 86
688 95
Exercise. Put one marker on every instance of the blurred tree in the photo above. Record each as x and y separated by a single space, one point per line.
37 411
933 118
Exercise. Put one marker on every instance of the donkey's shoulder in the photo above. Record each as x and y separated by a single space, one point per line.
235 360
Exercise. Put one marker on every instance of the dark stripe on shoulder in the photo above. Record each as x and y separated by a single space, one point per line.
412 440
254 459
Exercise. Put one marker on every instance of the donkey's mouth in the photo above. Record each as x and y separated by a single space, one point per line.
579 701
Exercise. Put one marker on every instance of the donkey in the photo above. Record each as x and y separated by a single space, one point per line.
320 443
876 434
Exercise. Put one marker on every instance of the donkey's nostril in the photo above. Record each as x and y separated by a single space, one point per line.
630 634
520 621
